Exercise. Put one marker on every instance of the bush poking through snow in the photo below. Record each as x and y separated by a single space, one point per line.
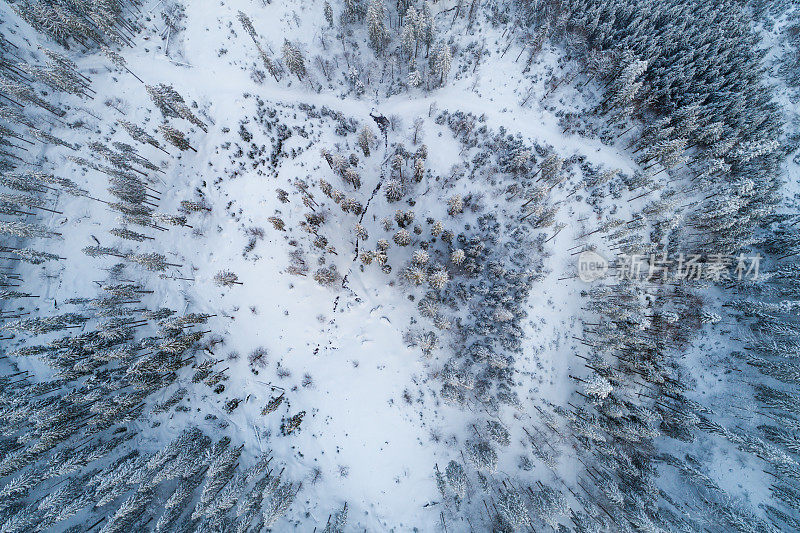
327 276
258 357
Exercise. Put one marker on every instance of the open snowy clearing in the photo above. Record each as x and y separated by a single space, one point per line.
382 326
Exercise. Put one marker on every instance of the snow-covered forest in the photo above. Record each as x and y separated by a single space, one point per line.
375 265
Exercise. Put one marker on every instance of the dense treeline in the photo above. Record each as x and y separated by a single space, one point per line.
679 86
68 452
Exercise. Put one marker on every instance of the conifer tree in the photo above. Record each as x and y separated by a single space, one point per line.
294 59
337 522
366 139
175 137
378 35
226 278
354 11
457 478
440 60
140 135
278 497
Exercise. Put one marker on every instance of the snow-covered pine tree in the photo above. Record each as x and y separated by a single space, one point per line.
226 278
169 97
152 261
175 137
140 135
161 99
366 140
376 25
278 497
440 61
247 24
337 521
482 455
512 507
457 478
26 230
354 11
294 59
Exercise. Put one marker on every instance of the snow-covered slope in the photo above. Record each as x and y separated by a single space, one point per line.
395 317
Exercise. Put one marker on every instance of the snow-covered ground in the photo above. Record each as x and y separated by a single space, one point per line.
375 424
373 428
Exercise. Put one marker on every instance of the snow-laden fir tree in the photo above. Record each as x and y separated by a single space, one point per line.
393 190
226 278
376 25
457 478
402 237
441 59
152 261
455 205
512 507
294 60
366 140
482 455
247 24
337 521
140 135
175 137
354 11
25 230
278 497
